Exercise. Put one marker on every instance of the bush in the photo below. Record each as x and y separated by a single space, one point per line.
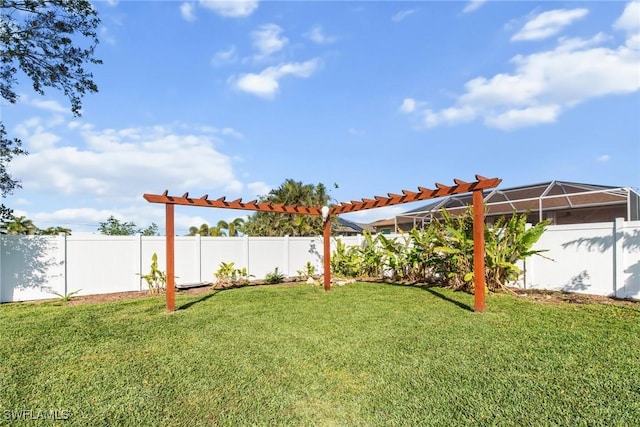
274 277
228 275
442 252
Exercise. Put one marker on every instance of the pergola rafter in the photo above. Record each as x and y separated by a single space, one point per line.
392 199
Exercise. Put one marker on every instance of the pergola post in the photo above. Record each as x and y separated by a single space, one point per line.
478 251
170 242
326 240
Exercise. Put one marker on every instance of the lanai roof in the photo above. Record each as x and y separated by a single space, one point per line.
540 197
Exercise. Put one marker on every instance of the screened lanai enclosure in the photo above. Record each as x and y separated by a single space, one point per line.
558 201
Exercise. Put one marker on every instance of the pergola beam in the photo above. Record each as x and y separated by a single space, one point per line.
423 193
407 196
203 201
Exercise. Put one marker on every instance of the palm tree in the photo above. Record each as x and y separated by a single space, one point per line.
206 230
235 227
291 192
19 225
222 226
53 231
231 228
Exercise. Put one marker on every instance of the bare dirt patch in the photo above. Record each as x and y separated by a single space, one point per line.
556 297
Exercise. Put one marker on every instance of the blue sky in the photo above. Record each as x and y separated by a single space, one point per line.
232 98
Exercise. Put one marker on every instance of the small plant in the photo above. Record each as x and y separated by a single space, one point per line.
309 270
274 277
156 279
66 298
227 275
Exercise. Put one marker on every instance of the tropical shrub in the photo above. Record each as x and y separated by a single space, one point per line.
228 275
508 242
274 277
346 262
156 278
442 252
309 270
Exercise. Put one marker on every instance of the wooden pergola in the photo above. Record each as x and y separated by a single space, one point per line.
476 187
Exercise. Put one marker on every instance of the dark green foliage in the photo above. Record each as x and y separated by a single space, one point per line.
274 277
222 228
54 231
442 253
18 225
44 39
22 226
114 227
9 147
51 42
280 224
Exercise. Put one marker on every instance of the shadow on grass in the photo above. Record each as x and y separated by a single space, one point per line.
435 291
199 300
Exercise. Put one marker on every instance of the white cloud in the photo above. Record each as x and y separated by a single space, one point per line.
403 14
21 202
123 164
87 220
542 85
224 57
266 83
633 42
448 116
408 105
35 134
371 215
231 132
112 2
603 158
516 118
44 104
630 19
473 5
231 8
258 189
188 12
267 40
105 36
548 24
317 35
356 132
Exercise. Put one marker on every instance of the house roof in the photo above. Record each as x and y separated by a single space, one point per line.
383 222
350 226
546 196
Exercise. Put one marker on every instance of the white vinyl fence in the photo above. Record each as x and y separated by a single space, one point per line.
602 258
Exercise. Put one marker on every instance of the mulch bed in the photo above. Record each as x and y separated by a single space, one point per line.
536 295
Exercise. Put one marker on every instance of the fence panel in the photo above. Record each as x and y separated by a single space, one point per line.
581 259
31 267
102 264
216 250
602 258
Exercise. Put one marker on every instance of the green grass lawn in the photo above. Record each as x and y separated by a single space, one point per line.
363 354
